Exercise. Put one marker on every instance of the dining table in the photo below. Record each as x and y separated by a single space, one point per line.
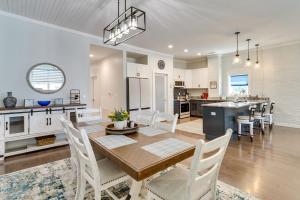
139 163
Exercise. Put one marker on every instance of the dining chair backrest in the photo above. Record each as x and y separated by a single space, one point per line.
89 115
205 169
86 156
146 117
166 121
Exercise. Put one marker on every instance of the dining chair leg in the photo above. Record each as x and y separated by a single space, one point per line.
78 185
82 188
97 194
135 189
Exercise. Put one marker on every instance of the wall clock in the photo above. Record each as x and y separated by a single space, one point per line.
161 64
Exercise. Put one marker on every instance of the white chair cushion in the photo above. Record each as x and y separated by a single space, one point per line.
108 171
172 185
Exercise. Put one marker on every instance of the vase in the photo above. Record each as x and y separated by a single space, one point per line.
10 101
119 124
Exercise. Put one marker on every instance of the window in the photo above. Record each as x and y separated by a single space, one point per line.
238 84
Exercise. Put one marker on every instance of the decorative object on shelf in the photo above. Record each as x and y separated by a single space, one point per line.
59 101
257 65
119 117
28 102
161 64
127 25
46 78
213 84
45 140
44 103
74 96
10 101
112 130
237 55
248 61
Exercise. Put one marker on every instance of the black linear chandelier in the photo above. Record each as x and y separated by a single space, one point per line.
127 25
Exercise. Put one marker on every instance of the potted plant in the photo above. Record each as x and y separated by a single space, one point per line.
119 118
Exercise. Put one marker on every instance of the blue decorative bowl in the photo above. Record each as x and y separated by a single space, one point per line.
44 103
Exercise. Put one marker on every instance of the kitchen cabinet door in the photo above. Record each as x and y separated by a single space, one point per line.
193 108
1 127
178 74
54 123
177 107
131 70
196 78
38 122
16 124
203 78
199 109
188 79
143 71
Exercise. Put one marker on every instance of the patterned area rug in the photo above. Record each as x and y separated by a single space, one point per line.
53 181
195 126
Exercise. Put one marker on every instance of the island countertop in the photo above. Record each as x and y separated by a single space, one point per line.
233 104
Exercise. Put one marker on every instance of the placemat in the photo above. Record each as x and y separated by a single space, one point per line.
115 141
92 128
150 131
167 147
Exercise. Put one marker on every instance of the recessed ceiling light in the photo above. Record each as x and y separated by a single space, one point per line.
91 55
199 54
170 46
185 50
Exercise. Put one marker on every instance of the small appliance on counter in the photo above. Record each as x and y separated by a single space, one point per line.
204 95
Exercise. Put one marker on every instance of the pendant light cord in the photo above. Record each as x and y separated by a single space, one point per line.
257 52
248 40
237 43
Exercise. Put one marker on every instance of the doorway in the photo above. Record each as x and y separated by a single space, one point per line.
161 92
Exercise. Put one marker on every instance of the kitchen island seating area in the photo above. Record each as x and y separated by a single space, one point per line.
238 116
118 166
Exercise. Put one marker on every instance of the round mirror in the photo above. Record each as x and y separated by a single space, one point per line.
46 78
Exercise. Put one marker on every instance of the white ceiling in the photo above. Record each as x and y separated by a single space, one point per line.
198 25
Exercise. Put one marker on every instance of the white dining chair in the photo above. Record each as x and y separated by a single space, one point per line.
247 120
269 115
74 157
166 121
101 174
146 117
89 115
197 182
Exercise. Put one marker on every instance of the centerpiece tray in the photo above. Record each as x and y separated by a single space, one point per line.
110 129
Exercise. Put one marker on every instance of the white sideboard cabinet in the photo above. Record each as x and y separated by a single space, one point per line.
22 126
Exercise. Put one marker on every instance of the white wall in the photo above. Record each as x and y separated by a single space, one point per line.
215 74
24 44
109 82
277 78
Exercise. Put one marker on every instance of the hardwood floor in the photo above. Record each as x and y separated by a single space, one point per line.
268 168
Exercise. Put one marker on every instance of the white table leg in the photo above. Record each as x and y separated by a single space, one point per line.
135 190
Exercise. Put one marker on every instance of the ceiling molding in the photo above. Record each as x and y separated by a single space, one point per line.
123 47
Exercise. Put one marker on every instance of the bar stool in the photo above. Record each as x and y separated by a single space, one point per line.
261 116
247 120
269 116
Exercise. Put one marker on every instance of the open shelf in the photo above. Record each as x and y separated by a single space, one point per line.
23 137
31 148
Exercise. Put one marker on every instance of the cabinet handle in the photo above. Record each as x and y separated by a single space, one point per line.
50 121
6 126
138 74
47 122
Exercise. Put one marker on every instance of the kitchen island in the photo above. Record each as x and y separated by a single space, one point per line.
218 117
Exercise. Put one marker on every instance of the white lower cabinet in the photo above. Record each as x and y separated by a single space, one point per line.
2 135
16 124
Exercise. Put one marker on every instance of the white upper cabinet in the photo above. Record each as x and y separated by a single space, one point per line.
179 74
188 79
196 78
204 78
138 70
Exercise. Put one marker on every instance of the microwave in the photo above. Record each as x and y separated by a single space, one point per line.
179 84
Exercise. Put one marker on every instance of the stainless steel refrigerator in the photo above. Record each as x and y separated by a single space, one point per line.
138 94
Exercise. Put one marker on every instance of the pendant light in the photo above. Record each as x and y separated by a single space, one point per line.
237 59
128 24
257 64
248 61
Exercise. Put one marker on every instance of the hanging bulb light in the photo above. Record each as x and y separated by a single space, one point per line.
112 35
248 61
125 28
257 64
237 55
119 33
133 22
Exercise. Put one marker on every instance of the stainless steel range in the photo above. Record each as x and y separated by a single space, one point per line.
184 109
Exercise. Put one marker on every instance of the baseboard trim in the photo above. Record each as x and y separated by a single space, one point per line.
287 125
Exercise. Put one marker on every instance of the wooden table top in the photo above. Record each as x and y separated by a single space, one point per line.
139 163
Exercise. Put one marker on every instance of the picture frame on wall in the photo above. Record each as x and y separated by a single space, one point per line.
28 102
59 101
213 84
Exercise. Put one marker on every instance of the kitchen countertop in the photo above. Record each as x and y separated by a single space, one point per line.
232 104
